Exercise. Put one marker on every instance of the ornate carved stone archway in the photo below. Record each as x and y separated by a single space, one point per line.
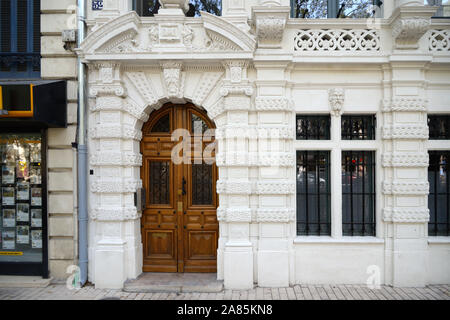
134 68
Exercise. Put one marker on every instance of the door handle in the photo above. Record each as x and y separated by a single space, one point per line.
183 187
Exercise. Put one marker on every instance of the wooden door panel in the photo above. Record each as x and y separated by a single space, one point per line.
179 230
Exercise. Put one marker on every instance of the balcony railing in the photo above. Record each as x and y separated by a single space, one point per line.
14 65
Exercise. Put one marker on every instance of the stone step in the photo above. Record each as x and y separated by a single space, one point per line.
174 282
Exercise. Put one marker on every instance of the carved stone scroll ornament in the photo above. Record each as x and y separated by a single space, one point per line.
336 98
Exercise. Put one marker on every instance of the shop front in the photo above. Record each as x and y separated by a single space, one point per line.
26 111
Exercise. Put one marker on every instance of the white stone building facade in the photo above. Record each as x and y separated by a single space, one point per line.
253 70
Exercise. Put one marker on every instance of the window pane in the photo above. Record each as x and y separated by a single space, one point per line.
439 126
444 7
358 193
439 196
163 125
21 198
355 8
358 127
310 9
313 193
159 182
202 184
313 127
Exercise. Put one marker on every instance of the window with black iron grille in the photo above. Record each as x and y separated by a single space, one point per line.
358 193
313 127
439 196
358 127
313 193
439 126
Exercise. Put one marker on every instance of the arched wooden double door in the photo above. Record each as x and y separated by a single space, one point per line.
179 224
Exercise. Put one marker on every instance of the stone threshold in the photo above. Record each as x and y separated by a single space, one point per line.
24 282
174 282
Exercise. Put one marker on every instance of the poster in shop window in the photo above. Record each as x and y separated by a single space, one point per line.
9 218
8 240
8 196
36 218
36 239
35 175
36 196
8 176
23 234
23 212
23 191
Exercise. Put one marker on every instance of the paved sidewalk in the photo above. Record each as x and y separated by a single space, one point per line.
298 292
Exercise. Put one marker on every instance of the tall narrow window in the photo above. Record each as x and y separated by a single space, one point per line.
358 127
313 193
313 127
358 193
439 196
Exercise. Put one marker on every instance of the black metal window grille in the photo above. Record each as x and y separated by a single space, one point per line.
439 196
439 126
313 193
313 127
358 127
358 193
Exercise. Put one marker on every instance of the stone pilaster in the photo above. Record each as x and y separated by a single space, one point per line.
115 244
405 184
274 179
234 159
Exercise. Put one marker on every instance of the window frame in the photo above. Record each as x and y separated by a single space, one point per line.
317 117
31 57
317 154
371 129
332 10
372 195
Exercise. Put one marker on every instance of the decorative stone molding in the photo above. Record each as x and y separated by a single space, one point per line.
269 24
274 187
144 86
233 187
245 89
439 40
207 82
336 98
97 90
235 103
173 79
406 131
115 214
259 187
235 214
409 188
115 131
275 215
405 159
406 215
274 159
405 105
136 111
236 70
115 185
408 31
337 40
255 132
267 103
116 159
